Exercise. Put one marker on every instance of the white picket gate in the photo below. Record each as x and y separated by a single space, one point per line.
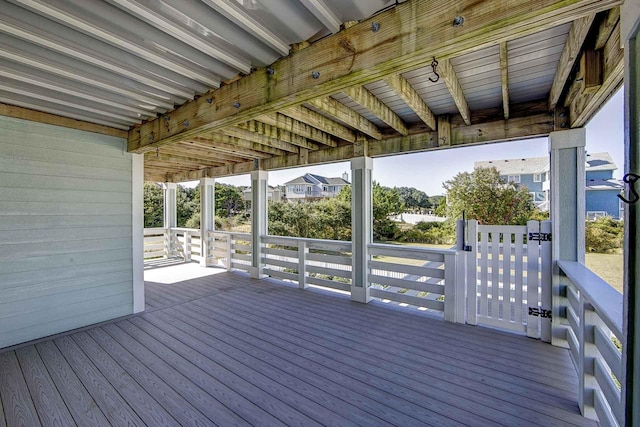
509 277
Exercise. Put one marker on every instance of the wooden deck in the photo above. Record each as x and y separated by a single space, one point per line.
227 350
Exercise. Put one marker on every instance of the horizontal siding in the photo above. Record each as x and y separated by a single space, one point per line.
65 230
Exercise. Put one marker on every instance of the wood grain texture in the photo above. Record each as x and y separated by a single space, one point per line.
17 403
46 398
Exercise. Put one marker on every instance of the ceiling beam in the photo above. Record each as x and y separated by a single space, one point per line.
346 115
589 100
240 143
533 124
570 53
450 78
260 139
297 127
210 148
404 90
320 122
52 119
323 13
379 109
279 134
358 56
504 76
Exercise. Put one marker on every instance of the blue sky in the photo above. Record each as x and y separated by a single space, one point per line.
427 171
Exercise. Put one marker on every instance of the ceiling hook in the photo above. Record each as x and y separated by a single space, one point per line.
434 65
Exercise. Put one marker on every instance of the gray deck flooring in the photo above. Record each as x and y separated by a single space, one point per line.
228 350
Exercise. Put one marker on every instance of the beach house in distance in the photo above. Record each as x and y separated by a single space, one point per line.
310 187
601 188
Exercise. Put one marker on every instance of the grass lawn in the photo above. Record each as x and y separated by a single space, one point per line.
608 267
407 260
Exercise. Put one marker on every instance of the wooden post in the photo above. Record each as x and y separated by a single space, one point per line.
450 288
567 173
303 250
472 272
170 216
361 227
258 219
137 230
629 32
207 215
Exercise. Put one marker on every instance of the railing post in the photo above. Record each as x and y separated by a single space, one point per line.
533 286
361 227
258 219
472 272
187 246
546 281
586 380
229 246
207 214
450 288
168 243
303 250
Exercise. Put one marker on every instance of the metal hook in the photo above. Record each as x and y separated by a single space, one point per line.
434 65
157 152
631 178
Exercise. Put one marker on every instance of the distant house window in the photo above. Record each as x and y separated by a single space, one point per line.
308 189
299 188
513 178
538 177
538 196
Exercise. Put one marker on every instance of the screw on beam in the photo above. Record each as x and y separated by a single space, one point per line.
315 75
236 104
458 21
375 27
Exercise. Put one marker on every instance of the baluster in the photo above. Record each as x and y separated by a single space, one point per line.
303 250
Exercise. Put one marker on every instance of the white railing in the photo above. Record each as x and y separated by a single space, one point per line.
593 310
155 243
421 277
172 242
233 249
323 263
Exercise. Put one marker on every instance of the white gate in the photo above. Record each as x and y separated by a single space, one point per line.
509 277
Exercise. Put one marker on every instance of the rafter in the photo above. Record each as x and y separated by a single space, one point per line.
570 53
535 122
369 101
450 78
182 158
320 122
504 73
212 149
279 134
352 57
403 88
240 144
346 115
260 139
297 127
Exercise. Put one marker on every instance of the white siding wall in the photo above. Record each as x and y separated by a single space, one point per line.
65 229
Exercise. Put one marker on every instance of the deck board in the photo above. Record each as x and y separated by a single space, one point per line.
227 350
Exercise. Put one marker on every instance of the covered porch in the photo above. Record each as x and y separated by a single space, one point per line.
220 348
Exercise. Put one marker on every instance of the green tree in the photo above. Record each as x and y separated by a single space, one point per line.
487 198
412 198
229 200
187 205
153 205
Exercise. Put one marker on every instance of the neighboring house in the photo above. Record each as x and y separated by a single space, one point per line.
601 188
273 194
314 187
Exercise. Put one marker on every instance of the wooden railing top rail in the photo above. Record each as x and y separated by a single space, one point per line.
231 233
342 245
381 247
605 299
154 230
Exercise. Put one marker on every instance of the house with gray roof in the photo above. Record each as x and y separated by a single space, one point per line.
310 187
533 172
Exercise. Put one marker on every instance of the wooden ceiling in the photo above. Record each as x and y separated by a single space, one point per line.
422 75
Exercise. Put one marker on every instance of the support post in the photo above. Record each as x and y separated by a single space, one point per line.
170 217
567 173
630 36
546 281
587 383
472 272
207 215
258 219
361 226
303 250
137 230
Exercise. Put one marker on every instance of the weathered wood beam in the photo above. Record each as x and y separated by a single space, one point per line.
358 56
297 127
52 119
570 53
379 109
346 115
451 80
535 125
606 27
444 130
241 144
404 90
257 138
587 102
175 154
320 122
207 149
276 133
504 73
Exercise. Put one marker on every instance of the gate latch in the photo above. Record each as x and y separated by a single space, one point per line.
539 312
540 237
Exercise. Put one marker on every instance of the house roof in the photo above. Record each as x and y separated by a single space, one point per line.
531 165
317 179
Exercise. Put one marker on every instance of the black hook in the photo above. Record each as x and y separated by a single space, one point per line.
631 178
434 65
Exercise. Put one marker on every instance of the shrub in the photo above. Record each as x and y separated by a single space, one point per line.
603 235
